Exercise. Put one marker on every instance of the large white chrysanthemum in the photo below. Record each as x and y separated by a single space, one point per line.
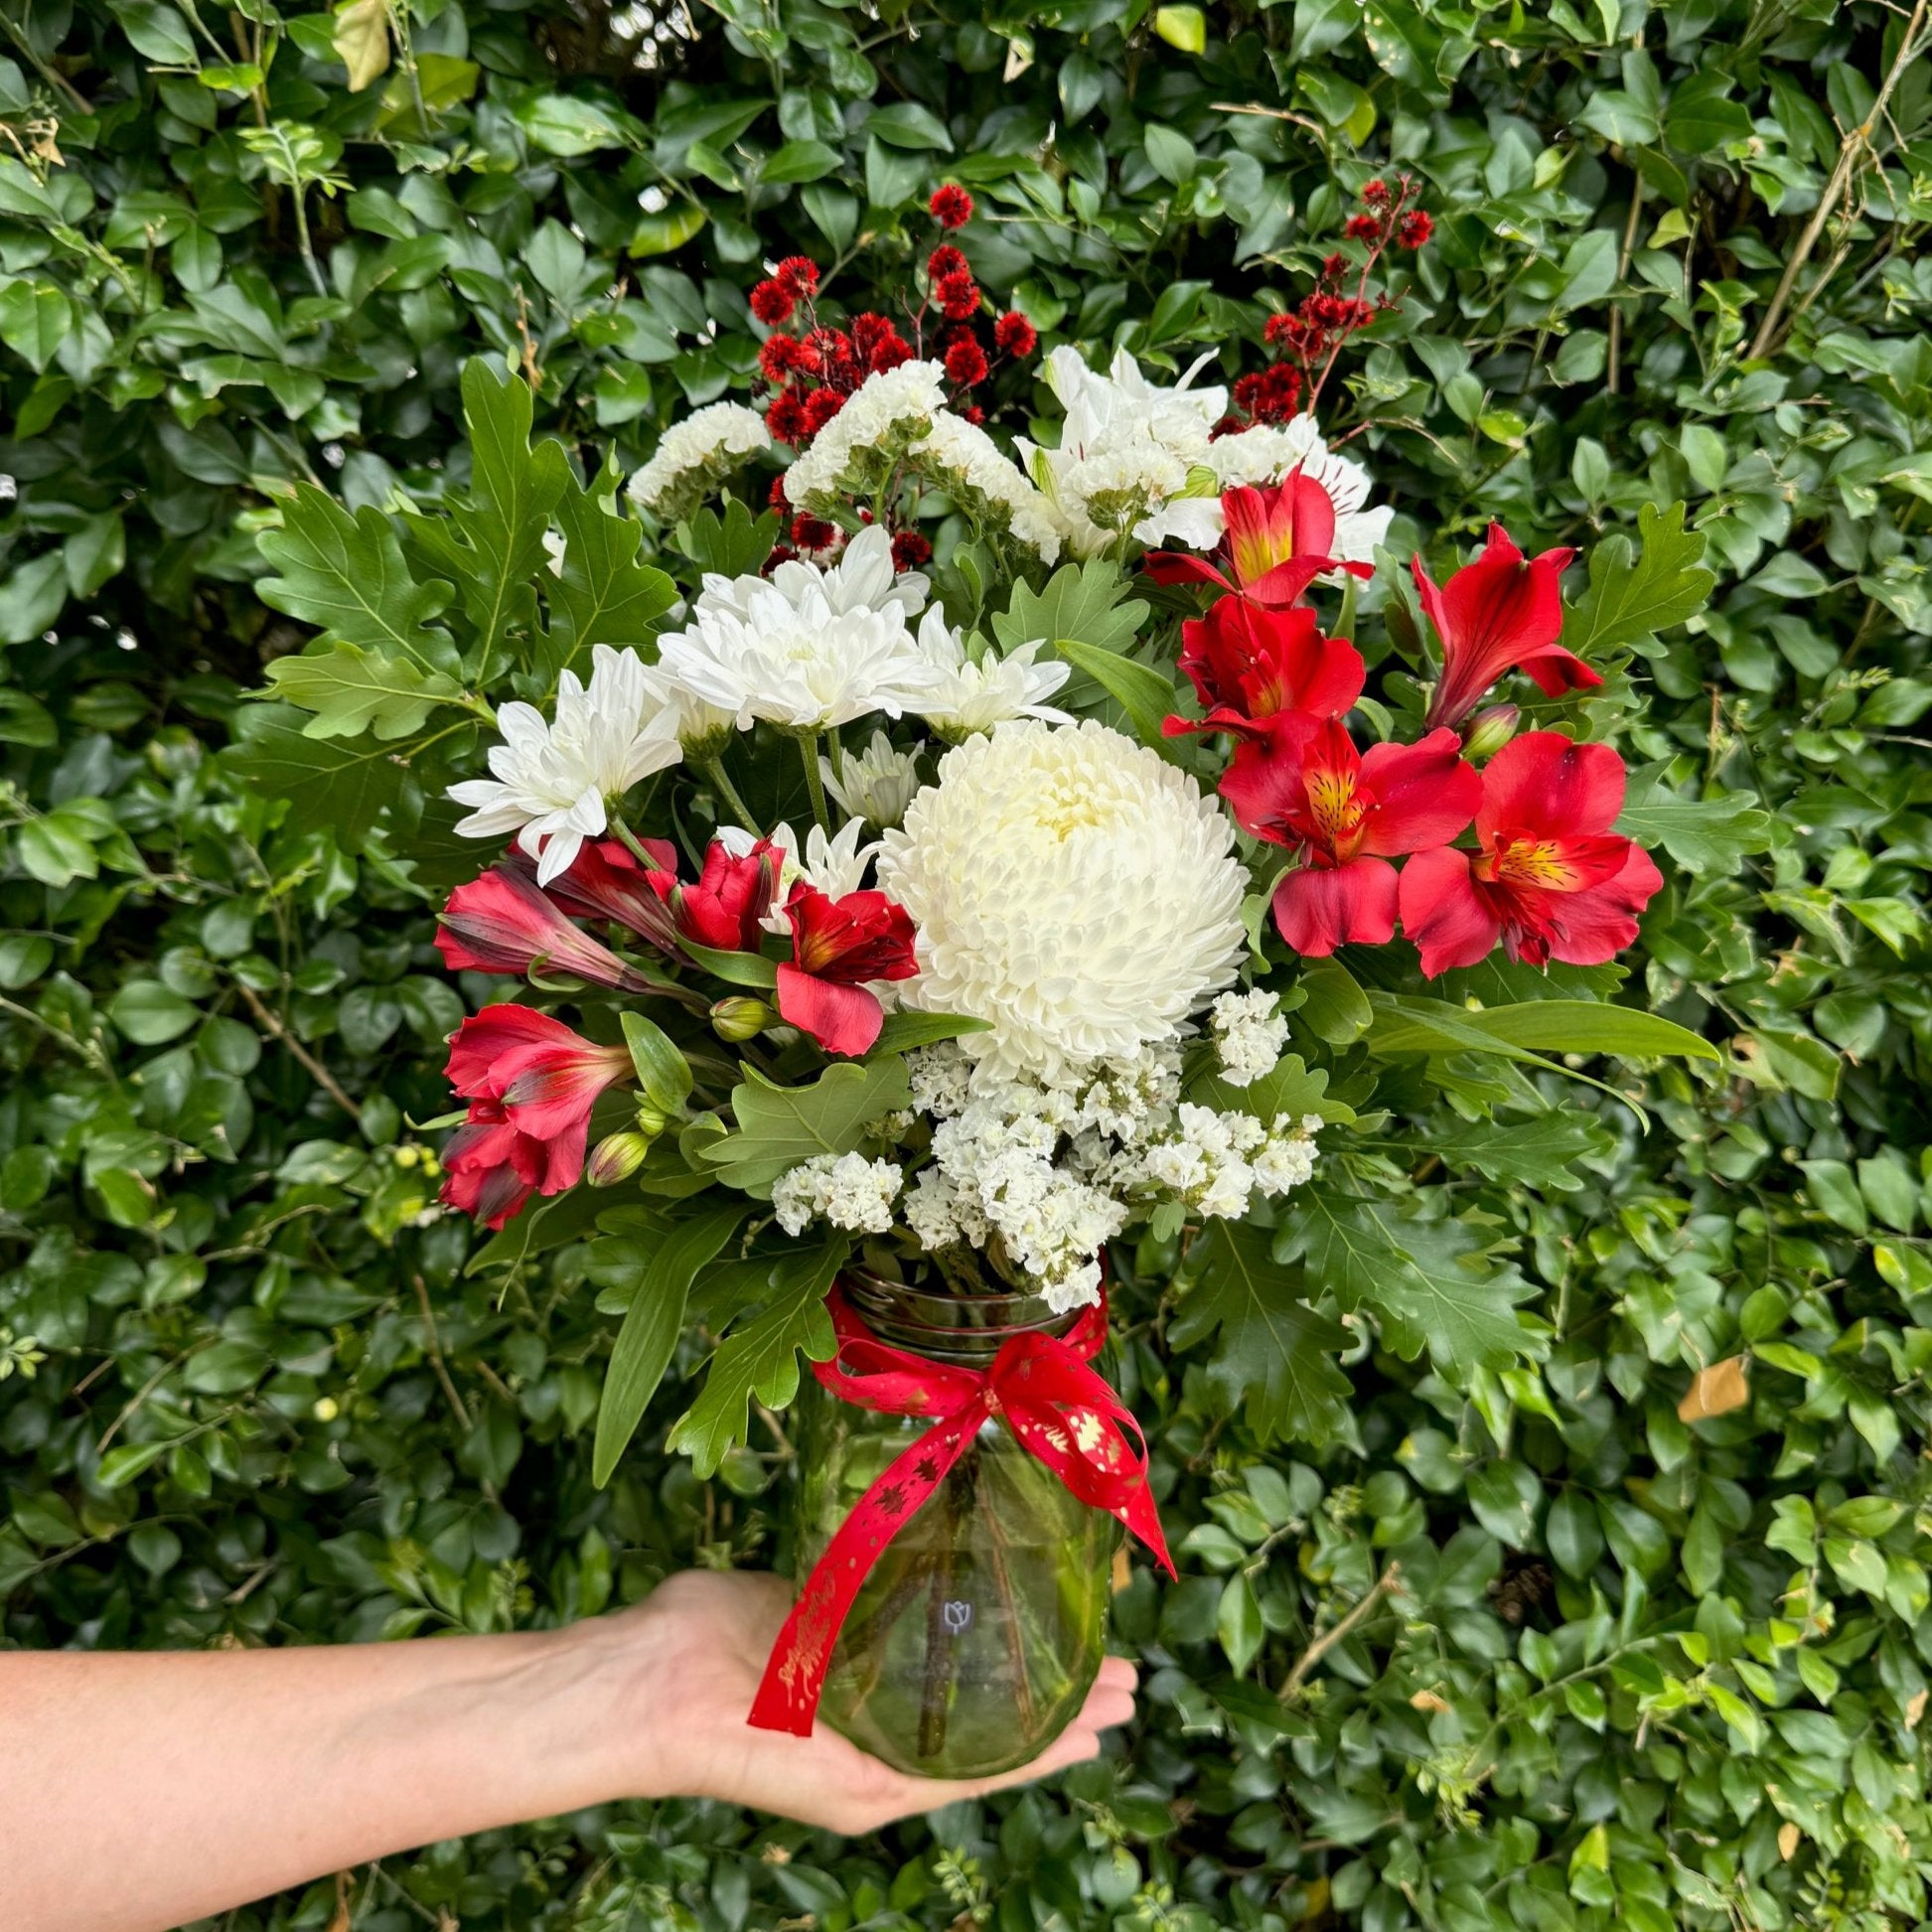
1128 455
695 455
1071 888
801 665
974 696
552 781
862 579
1266 454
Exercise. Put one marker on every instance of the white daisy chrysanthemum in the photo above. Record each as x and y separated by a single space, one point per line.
862 444
552 781
1071 888
1267 454
992 491
798 664
1128 456
695 455
875 783
862 579
975 696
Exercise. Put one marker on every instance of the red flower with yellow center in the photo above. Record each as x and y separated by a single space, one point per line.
837 944
1250 665
1346 814
1548 877
1277 544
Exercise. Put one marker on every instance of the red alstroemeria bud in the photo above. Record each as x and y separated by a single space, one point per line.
504 923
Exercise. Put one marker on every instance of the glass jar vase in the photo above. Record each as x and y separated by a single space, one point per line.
974 1640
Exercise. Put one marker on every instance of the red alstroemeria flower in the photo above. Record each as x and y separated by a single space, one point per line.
1498 614
836 945
1347 814
1250 665
531 1083
1277 544
605 882
726 907
1549 878
502 923
492 1168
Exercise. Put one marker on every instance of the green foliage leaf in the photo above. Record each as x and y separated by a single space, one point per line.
1544 1153
1277 1354
1705 835
652 1324
352 691
1628 602
1145 695
760 1357
1081 603
327 785
347 574
780 1126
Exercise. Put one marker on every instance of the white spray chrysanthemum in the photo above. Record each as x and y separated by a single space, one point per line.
976 695
1071 888
802 665
550 780
695 455
876 784
862 579
1267 454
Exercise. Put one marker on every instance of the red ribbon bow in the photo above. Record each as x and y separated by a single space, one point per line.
1061 1410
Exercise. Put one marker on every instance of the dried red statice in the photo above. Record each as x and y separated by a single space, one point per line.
910 550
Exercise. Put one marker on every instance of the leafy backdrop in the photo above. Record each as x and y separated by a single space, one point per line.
1637 1635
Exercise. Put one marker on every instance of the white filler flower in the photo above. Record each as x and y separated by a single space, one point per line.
694 456
1071 888
552 781
1266 454
863 442
876 784
801 666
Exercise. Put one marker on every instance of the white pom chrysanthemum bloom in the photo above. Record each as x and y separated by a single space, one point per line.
550 782
863 443
862 579
695 456
974 696
1267 454
1071 888
800 665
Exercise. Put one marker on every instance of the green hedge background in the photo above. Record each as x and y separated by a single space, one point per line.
1643 1672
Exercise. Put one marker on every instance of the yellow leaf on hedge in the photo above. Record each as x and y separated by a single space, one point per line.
361 39
1716 1390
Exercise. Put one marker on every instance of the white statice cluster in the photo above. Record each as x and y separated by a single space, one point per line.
695 455
1267 453
1134 457
846 1190
1071 888
1051 1167
1248 1035
899 417
551 779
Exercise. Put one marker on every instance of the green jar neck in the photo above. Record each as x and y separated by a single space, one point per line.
947 1327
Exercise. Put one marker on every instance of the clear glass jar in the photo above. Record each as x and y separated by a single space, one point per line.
973 1642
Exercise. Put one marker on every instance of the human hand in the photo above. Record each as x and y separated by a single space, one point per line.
698 1646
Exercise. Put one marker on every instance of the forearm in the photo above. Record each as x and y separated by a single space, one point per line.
141 1791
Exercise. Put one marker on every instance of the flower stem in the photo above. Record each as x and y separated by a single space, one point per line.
808 754
715 771
629 840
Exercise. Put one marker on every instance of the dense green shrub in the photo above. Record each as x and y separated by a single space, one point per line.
1641 1670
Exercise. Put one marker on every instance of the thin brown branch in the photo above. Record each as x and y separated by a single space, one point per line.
1389 1582
1629 250
323 1077
1855 144
433 1347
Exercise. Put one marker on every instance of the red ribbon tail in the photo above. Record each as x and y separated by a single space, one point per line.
794 1675
1142 1518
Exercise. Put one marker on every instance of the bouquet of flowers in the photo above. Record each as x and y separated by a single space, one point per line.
969 854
